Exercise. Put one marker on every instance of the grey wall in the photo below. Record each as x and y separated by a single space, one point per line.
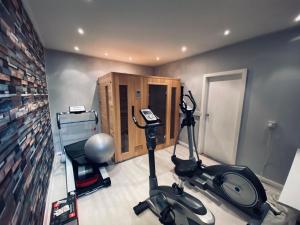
72 80
272 92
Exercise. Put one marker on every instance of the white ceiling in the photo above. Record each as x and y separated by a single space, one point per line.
145 29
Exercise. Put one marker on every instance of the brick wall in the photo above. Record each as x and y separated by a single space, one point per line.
26 147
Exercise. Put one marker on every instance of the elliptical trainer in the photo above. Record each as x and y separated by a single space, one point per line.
170 204
236 184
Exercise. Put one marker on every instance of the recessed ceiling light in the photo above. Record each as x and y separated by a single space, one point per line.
297 18
183 48
130 58
157 58
106 54
76 48
80 31
226 32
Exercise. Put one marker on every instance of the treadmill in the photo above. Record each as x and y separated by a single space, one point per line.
82 175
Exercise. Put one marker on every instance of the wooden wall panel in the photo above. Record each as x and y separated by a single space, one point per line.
104 103
177 85
138 138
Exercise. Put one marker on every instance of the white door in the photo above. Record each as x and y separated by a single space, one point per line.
224 95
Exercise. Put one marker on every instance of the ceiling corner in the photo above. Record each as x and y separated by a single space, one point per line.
33 21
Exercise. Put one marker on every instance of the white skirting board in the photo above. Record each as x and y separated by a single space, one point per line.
184 144
272 183
69 175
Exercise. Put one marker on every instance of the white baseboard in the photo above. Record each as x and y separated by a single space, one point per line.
183 144
272 183
262 179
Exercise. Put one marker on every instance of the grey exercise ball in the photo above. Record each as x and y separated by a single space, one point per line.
99 148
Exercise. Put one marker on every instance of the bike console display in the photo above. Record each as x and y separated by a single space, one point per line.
149 116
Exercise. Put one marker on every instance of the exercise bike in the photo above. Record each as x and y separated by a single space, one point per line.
237 185
170 204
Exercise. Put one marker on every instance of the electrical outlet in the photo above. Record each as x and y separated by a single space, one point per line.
272 124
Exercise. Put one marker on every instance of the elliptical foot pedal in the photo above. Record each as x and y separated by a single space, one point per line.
199 183
141 207
177 190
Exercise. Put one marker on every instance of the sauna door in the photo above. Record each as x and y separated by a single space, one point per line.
163 100
158 104
131 139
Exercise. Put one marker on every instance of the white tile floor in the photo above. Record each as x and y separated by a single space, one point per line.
113 205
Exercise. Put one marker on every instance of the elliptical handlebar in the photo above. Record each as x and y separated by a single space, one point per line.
183 105
193 101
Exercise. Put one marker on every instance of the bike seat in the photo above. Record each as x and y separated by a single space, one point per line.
184 168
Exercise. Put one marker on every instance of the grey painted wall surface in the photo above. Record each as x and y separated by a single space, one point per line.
272 93
72 81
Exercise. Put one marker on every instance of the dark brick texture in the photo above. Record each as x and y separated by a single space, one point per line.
26 146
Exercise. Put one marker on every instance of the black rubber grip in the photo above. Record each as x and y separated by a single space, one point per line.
141 207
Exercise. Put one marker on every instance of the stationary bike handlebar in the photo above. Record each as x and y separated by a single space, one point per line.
135 120
183 105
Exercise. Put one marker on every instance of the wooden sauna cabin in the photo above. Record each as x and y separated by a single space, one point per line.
118 92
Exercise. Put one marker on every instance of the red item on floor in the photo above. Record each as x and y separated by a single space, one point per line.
87 182
64 211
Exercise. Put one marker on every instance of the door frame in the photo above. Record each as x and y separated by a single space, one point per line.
204 102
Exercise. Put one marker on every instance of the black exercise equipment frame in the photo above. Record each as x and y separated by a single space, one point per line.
212 177
170 204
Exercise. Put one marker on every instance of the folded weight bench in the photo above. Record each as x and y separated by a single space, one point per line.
82 175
